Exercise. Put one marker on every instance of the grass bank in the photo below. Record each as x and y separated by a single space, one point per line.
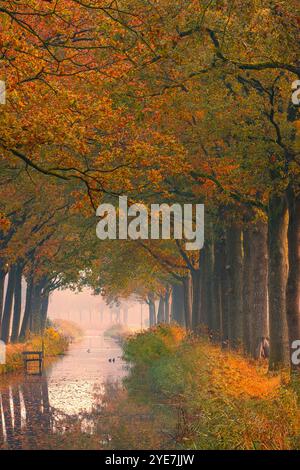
56 340
118 332
211 399
68 329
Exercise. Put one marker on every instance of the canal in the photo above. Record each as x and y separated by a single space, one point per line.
40 412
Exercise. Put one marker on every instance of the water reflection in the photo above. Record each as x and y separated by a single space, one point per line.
32 409
72 381
25 413
81 403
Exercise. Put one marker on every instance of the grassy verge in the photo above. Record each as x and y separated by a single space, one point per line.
211 399
56 340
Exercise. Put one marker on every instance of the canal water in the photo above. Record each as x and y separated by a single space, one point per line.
32 408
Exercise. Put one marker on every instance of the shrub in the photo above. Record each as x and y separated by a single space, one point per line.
148 346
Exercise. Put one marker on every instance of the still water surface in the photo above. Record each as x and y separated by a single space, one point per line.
33 407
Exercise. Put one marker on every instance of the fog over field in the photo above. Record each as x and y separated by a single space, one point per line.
91 311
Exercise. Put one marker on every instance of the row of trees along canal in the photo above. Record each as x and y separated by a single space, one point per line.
164 103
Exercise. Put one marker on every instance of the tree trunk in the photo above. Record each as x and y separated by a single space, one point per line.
178 304
277 247
2 281
248 286
208 285
36 323
152 313
167 305
196 320
161 310
7 312
217 290
260 324
293 282
187 290
44 310
27 311
235 275
17 303
224 287
203 286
